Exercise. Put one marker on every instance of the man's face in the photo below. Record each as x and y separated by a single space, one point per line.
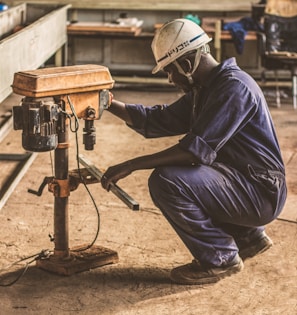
176 78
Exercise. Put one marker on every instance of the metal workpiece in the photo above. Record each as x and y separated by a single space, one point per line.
114 188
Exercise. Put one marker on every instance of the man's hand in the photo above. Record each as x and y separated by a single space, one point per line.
171 156
115 173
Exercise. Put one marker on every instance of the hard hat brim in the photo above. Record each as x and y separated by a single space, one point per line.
156 69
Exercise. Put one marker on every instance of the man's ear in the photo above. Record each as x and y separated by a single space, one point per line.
186 64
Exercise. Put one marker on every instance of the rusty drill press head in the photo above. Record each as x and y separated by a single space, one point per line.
52 94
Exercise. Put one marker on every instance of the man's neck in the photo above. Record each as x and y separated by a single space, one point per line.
207 64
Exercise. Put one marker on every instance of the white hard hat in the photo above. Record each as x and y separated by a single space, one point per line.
174 39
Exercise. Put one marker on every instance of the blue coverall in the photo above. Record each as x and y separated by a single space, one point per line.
238 183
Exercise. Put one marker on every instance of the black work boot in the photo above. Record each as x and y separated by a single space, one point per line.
194 273
254 247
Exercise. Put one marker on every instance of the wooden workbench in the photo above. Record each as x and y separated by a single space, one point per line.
213 27
97 28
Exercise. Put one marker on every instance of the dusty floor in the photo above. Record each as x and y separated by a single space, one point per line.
146 244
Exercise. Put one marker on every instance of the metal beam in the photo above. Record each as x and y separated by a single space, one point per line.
5 125
130 202
24 162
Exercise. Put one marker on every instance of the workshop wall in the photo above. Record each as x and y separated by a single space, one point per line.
191 5
132 54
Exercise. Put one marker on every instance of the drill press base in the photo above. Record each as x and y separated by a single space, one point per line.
79 260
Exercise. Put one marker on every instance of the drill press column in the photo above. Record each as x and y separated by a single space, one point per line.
61 238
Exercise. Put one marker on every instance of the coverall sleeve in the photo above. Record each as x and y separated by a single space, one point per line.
162 120
224 113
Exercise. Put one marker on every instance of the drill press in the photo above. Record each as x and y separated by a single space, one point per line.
52 96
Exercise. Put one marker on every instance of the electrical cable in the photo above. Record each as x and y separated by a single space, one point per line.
43 254
52 164
75 131
287 220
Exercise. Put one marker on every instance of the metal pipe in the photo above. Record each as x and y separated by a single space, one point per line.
61 238
294 81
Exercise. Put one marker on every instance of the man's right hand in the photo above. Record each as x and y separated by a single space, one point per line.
115 173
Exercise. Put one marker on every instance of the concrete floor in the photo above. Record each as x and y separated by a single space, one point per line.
147 246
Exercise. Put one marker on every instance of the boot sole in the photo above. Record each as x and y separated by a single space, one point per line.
215 274
259 247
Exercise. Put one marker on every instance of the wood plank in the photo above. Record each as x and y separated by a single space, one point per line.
97 28
250 35
282 55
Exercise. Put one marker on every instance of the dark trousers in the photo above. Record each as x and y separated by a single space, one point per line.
213 208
